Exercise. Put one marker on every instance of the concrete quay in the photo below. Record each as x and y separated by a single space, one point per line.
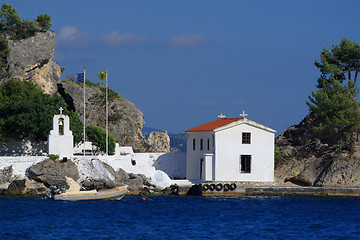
241 189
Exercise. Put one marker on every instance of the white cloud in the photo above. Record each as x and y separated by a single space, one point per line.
71 37
186 40
240 102
206 103
116 39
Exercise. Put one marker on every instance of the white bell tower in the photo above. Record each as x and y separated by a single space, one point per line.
61 139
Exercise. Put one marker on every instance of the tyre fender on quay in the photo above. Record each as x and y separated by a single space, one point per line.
219 187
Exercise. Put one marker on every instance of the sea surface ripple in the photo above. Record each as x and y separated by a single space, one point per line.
181 217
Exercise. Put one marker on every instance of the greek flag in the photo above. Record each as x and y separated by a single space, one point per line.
79 77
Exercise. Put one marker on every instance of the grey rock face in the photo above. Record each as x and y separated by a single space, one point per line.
31 58
158 142
310 159
53 173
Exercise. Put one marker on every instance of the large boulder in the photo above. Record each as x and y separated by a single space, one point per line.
139 184
53 173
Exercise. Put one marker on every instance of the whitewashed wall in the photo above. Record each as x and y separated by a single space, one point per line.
229 148
173 164
20 164
194 156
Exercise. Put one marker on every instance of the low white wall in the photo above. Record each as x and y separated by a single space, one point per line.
20 164
173 164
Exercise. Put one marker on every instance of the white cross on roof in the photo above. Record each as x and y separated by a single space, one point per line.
61 109
221 116
243 114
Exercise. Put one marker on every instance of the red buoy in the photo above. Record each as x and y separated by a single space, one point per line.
143 198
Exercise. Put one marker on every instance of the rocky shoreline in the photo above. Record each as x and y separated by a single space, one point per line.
91 174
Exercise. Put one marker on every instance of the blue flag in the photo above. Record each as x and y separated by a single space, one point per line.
79 77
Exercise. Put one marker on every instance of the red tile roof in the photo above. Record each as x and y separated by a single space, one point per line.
213 125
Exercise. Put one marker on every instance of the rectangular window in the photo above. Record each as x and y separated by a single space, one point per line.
201 144
194 144
246 136
245 163
208 144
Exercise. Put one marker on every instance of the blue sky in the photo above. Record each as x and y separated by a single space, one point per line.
185 62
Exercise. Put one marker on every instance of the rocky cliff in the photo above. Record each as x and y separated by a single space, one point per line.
313 159
125 119
32 58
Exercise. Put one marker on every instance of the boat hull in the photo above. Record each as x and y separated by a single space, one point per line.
111 194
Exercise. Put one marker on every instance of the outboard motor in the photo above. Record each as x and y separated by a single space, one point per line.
53 192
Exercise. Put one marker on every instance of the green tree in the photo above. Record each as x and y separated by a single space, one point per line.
335 99
26 28
4 53
98 137
9 17
76 126
44 22
342 63
27 112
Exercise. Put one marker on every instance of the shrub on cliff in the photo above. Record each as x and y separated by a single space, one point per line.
98 137
18 28
4 53
27 112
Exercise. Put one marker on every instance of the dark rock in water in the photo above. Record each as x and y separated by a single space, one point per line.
18 187
139 184
135 184
53 173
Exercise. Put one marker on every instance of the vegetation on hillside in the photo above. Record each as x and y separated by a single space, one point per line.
27 112
4 53
11 23
335 98
98 138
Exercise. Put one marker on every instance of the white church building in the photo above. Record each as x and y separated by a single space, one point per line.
230 149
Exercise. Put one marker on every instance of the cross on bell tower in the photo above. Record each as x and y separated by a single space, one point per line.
243 114
61 109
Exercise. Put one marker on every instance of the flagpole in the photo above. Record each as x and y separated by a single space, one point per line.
107 114
84 112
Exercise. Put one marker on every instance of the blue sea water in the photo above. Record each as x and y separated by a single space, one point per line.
181 217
